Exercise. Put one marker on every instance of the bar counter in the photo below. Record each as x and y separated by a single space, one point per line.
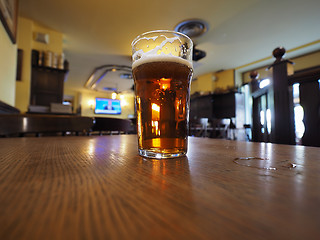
97 187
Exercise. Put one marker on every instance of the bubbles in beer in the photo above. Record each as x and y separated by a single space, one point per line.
162 89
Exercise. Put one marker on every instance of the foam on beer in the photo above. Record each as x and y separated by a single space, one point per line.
153 56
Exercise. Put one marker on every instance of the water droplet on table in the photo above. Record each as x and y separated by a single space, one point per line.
255 162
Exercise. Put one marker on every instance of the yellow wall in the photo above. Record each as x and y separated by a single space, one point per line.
213 82
25 41
203 84
306 61
224 80
8 65
55 39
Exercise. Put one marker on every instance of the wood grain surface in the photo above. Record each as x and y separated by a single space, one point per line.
97 187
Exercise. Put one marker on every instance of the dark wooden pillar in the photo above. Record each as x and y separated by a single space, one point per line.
282 106
256 125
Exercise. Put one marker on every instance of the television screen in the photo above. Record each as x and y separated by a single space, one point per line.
107 106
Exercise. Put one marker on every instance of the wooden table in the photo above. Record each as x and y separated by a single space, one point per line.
97 187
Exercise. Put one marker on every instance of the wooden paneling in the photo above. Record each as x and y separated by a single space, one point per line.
46 86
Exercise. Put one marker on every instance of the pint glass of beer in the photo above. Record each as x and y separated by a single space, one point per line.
162 72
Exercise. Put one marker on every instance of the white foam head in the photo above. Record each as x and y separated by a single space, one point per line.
162 48
161 58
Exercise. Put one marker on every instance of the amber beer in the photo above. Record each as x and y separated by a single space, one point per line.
162 86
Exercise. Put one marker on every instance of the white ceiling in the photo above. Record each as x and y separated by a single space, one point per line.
99 32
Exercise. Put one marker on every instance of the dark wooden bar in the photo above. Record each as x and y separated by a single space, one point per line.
102 124
20 124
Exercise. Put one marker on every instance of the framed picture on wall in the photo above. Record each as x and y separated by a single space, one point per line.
9 17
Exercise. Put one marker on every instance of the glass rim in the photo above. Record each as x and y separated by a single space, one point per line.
161 31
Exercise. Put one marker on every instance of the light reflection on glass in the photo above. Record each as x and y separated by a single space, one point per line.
296 93
139 121
155 110
298 118
268 118
165 83
264 83
156 142
180 109
155 119
298 113
155 127
262 117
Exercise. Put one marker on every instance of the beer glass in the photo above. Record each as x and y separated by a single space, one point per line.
162 72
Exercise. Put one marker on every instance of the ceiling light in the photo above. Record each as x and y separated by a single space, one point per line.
192 27
110 89
100 72
114 95
126 76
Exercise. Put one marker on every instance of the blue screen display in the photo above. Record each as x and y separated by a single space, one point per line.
107 106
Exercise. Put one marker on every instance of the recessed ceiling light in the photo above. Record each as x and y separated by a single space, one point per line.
192 27
126 76
110 89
